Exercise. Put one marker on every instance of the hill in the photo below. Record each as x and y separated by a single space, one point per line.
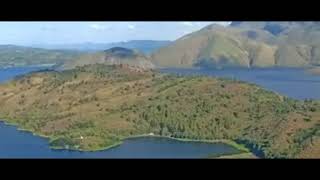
116 55
93 107
245 44
11 55
145 46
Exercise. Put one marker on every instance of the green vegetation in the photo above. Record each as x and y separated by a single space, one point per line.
96 106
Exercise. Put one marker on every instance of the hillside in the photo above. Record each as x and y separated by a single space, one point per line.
145 46
276 27
95 106
11 55
245 44
116 55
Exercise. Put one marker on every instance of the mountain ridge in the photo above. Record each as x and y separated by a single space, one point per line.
245 44
145 46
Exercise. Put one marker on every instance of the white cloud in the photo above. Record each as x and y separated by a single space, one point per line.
187 23
98 27
130 26
223 23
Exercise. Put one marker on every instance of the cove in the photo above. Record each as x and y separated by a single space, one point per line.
22 144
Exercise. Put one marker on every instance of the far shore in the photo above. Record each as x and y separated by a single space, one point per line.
28 66
314 70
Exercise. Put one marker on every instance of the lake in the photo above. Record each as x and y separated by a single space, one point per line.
9 73
290 82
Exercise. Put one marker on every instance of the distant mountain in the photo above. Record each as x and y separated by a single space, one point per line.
245 44
145 46
115 55
11 55
276 27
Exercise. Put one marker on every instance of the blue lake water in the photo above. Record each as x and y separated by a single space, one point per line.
19 144
9 73
291 82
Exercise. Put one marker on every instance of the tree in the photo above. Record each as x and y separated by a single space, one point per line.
165 131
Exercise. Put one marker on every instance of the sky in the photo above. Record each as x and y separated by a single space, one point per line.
28 33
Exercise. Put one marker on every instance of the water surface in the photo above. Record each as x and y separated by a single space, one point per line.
21 144
292 82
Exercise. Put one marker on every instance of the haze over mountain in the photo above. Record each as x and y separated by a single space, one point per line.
241 44
116 55
145 46
245 44
11 55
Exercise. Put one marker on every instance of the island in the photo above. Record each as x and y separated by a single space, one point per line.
95 106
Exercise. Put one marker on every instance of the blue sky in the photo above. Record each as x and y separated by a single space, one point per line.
26 33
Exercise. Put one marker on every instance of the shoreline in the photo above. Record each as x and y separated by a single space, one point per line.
224 141
245 155
313 71
235 145
28 66
22 129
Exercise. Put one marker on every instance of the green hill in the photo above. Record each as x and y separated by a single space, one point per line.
95 106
